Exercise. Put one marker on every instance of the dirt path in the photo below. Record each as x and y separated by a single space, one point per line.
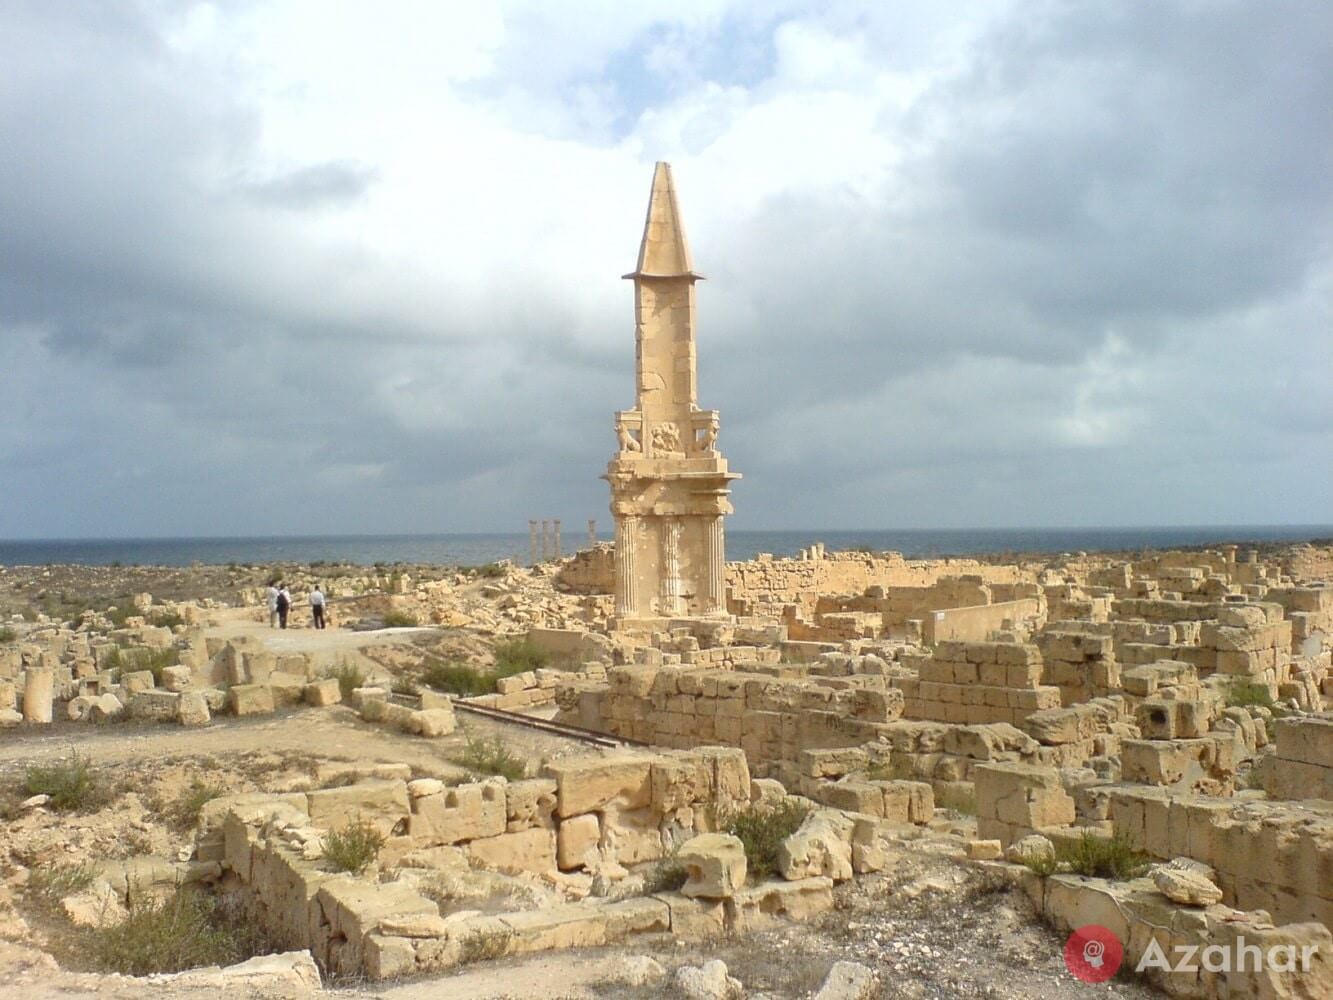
334 732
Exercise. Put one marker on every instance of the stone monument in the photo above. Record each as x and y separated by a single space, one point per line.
669 483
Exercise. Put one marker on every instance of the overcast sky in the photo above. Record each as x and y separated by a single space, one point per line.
322 267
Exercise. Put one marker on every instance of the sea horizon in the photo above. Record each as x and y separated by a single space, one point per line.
471 548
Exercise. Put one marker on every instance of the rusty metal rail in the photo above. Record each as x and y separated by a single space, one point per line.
531 722
547 726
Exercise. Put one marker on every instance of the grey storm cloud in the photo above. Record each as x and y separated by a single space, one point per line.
323 184
1090 285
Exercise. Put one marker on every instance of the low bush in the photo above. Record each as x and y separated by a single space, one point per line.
518 655
762 829
489 571
668 875
349 677
960 800
491 757
186 930
7 634
457 678
183 812
1243 694
352 848
1101 857
400 619
1093 856
72 784
51 883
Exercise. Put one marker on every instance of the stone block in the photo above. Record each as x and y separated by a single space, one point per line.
467 812
323 692
176 678
695 919
432 722
251 699
758 906
383 804
570 925
156 705
577 836
532 850
288 689
192 709
589 782
530 803
134 681
715 863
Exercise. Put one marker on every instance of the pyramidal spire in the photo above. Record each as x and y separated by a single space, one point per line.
664 252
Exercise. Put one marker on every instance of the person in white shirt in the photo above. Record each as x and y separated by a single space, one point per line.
317 606
272 606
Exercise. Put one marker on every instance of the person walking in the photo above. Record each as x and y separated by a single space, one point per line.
284 604
317 606
272 598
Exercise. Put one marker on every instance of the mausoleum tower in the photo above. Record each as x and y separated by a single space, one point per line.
669 483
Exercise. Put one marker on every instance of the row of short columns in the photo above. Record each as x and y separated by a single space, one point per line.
546 544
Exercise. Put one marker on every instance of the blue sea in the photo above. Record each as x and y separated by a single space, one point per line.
474 549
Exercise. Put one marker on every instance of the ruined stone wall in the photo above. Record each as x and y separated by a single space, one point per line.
1272 856
765 586
978 682
772 719
976 623
1302 764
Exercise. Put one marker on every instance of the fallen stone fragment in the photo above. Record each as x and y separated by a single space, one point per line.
848 981
638 970
708 982
1189 888
1033 848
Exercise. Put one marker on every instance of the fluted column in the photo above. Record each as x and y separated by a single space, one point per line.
715 568
627 538
671 581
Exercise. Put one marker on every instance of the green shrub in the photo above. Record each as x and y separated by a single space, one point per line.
51 883
896 768
7 634
1042 864
457 678
183 813
353 847
1101 857
400 619
489 571
960 800
1093 856
166 619
491 756
1243 694
185 930
349 677
668 875
518 655
73 785
404 685
762 829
